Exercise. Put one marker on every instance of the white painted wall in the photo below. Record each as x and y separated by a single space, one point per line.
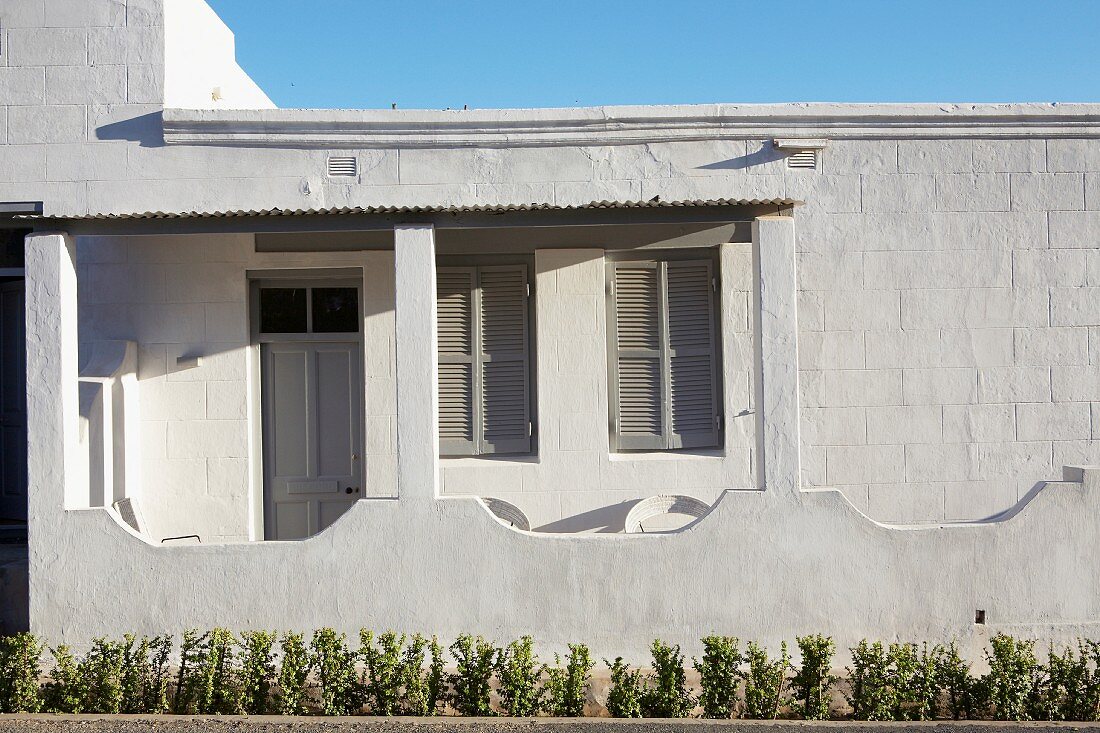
449 566
947 352
575 482
200 64
944 284
186 296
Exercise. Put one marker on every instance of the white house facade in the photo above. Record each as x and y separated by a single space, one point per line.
598 374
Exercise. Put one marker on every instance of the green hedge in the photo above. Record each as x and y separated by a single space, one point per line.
260 672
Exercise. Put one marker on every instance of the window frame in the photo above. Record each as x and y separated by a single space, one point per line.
657 257
308 284
476 263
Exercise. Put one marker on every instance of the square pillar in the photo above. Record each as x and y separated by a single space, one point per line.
54 474
417 363
778 440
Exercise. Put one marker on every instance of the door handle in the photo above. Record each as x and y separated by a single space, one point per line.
349 490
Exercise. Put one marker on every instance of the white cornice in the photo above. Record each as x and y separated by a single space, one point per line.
624 125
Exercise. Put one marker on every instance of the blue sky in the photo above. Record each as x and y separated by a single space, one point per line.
549 53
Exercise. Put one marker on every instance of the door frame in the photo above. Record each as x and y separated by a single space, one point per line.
307 277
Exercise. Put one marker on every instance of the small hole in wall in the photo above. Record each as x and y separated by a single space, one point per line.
979 616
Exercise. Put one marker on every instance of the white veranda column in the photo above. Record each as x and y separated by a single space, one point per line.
777 419
417 362
53 428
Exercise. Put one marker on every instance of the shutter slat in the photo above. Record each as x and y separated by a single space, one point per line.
693 393
503 359
638 372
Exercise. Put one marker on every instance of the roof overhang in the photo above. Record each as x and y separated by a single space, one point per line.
381 218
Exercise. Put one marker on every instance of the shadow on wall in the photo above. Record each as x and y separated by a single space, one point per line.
606 519
146 130
766 154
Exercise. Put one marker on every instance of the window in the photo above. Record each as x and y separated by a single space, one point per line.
294 309
484 360
663 355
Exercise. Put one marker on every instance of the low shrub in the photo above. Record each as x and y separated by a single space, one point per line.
424 687
293 672
666 694
144 674
1068 685
257 674
869 679
624 696
20 668
959 686
470 682
518 675
1007 688
914 681
1082 690
383 676
719 676
566 687
64 692
334 664
391 674
187 675
219 692
765 682
812 682
102 672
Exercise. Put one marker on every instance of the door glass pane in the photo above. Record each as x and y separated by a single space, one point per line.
283 310
335 310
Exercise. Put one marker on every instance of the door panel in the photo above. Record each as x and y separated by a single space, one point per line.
312 397
336 432
13 403
289 445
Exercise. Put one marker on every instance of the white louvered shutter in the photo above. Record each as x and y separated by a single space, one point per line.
692 416
455 296
639 421
505 398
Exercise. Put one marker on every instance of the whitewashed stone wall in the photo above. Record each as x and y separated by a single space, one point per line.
945 343
575 483
187 296
949 326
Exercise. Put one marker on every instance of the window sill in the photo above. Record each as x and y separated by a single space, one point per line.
706 454
487 460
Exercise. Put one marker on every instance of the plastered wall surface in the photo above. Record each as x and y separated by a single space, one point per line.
841 571
180 297
575 482
948 355
948 328
185 296
948 352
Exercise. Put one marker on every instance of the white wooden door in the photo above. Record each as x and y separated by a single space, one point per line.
13 403
312 392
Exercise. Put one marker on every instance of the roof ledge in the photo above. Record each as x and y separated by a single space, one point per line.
623 125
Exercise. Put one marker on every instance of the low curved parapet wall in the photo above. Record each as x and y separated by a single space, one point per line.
448 567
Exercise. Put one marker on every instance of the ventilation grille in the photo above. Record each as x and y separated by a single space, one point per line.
803 159
343 166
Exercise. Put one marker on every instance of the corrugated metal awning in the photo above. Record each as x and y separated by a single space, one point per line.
654 203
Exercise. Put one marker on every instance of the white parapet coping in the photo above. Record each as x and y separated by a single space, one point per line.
623 125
